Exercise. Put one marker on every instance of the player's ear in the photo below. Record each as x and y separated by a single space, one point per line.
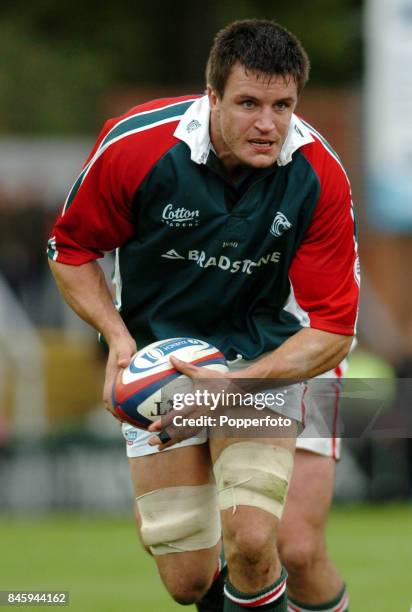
213 97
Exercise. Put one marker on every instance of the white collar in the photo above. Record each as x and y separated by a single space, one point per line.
298 135
193 129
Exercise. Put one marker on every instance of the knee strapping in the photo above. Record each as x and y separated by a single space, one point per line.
178 519
253 474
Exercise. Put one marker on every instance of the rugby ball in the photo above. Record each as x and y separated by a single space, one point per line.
142 392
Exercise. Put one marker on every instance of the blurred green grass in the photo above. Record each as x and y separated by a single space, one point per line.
99 560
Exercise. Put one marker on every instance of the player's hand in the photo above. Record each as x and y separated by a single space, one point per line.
194 372
120 353
169 434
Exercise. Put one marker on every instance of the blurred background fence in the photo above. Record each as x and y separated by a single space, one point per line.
65 69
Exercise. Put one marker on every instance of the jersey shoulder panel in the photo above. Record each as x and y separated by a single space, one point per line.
157 104
143 118
326 164
133 142
141 115
137 139
323 273
102 197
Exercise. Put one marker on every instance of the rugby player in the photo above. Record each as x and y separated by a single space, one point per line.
232 222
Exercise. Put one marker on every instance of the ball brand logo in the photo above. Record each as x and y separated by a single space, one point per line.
149 360
280 225
153 356
180 217
140 365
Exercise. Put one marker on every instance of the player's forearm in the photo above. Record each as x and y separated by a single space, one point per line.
308 353
85 290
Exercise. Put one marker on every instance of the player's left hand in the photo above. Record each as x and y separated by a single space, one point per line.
169 433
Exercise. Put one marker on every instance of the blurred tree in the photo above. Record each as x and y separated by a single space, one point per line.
57 59
330 31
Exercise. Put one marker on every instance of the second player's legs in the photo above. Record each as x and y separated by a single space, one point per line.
186 574
313 579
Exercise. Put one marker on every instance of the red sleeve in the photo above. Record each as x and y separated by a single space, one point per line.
97 216
324 273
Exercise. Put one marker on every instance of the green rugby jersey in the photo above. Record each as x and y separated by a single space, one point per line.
243 266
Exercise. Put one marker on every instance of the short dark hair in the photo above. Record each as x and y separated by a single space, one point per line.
260 46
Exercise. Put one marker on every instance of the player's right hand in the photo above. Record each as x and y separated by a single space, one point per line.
120 353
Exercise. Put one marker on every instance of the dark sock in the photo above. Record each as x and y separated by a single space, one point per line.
213 600
339 604
271 598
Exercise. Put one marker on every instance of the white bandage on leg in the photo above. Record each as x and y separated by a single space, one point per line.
179 519
253 474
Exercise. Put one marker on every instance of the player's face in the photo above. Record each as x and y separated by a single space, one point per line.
250 122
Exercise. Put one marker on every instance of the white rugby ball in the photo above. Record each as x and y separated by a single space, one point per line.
141 391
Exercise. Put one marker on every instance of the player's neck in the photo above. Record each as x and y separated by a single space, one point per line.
234 169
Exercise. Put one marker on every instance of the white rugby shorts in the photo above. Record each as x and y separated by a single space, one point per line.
321 414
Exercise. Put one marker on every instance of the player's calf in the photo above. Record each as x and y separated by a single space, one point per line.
313 582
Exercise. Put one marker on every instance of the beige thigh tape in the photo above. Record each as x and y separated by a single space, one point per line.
253 474
177 519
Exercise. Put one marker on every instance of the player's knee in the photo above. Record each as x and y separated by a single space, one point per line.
301 553
186 578
249 547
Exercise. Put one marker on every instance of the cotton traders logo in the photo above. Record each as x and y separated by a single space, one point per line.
180 217
280 225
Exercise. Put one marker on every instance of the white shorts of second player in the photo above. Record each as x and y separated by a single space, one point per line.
319 412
